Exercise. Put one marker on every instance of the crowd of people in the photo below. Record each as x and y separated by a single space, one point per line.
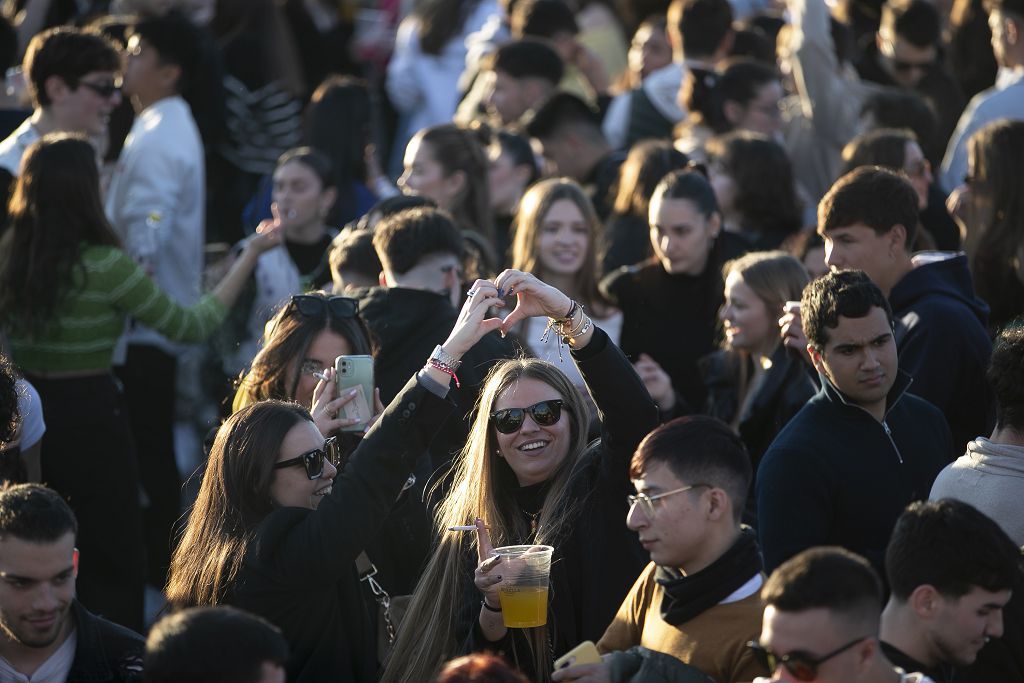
664 290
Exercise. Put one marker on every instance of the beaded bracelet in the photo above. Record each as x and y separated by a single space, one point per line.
446 369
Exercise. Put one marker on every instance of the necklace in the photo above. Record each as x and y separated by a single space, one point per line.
533 520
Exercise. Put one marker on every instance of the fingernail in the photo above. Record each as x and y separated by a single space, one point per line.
353 392
502 334
498 577
501 292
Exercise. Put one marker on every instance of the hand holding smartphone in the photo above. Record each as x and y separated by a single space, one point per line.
584 653
355 372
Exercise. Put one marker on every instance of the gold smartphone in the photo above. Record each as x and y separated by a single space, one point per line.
584 653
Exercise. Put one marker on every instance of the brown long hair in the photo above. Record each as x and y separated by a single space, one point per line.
482 486
55 210
274 372
529 219
233 498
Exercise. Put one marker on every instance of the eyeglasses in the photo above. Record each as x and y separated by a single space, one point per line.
647 502
802 665
104 90
312 306
313 460
545 414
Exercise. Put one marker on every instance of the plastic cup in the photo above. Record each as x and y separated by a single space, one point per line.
524 587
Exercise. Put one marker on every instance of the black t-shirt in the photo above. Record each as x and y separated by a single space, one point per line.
311 260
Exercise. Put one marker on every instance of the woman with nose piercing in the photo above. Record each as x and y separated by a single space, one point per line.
670 303
527 475
279 521
303 194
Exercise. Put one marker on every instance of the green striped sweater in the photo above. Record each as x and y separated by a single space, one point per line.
90 319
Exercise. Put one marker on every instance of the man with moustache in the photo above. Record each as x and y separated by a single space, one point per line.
46 635
844 468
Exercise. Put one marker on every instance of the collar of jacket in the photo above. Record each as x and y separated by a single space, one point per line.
899 388
94 656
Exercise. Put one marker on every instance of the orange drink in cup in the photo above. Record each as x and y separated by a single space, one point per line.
524 589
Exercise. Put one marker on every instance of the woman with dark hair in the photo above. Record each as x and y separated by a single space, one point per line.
528 474
513 168
744 96
898 150
753 181
446 164
303 193
66 290
276 527
627 227
990 209
670 303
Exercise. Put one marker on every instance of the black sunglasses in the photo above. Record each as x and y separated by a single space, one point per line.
545 414
312 306
313 460
104 90
802 665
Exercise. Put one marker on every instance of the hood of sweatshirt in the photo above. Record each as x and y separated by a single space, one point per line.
939 275
996 458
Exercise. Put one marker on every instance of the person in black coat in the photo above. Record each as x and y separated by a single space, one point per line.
276 528
528 474
844 468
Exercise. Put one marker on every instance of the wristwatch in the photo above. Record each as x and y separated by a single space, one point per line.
445 358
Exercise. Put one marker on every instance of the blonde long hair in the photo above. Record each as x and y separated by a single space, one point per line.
482 486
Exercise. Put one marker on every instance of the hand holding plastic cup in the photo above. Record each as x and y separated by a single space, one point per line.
523 591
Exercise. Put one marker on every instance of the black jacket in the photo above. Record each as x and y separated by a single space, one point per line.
406 325
300 571
837 476
944 344
599 558
785 389
105 652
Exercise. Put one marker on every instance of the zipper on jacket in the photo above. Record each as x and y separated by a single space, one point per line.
888 433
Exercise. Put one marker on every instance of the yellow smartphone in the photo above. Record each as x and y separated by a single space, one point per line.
355 372
584 653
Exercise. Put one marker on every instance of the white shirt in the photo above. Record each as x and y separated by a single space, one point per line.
54 670
13 148
157 204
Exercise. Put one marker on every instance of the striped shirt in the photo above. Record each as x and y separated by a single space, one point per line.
88 322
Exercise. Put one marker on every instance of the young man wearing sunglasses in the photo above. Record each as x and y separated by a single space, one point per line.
951 570
844 468
698 598
821 620
72 76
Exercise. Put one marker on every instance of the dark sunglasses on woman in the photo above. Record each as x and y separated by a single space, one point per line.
802 666
312 306
313 460
545 414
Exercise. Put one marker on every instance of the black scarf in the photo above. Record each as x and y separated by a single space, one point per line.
687 596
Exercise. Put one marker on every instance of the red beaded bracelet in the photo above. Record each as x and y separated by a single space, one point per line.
438 365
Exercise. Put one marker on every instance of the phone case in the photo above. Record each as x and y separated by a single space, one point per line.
355 372
584 653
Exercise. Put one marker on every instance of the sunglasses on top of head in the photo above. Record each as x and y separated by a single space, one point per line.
312 306
802 665
313 460
544 413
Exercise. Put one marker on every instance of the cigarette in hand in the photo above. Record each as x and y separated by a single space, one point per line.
465 528
320 376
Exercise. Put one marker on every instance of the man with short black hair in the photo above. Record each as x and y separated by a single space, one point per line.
868 221
522 74
821 622
215 645
698 598
45 633
906 53
72 76
844 468
157 204
569 133
951 570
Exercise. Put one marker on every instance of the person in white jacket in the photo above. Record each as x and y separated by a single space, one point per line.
156 204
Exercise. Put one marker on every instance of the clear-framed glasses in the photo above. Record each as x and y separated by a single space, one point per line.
647 502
